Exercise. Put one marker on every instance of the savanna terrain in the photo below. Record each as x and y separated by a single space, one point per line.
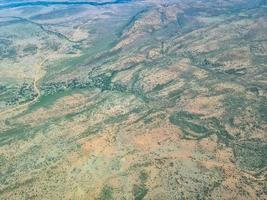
133 99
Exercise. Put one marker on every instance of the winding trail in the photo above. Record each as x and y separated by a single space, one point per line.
37 77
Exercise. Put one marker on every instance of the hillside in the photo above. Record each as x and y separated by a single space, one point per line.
146 99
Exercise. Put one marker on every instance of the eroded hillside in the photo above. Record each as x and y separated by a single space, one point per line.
133 100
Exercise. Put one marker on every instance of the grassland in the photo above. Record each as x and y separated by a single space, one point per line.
133 100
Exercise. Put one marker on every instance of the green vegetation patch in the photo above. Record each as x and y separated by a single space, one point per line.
143 176
251 154
192 125
139 191
19 132
46 101
30 49
102 81
176 94
90 131
7 50
106 193
220 131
